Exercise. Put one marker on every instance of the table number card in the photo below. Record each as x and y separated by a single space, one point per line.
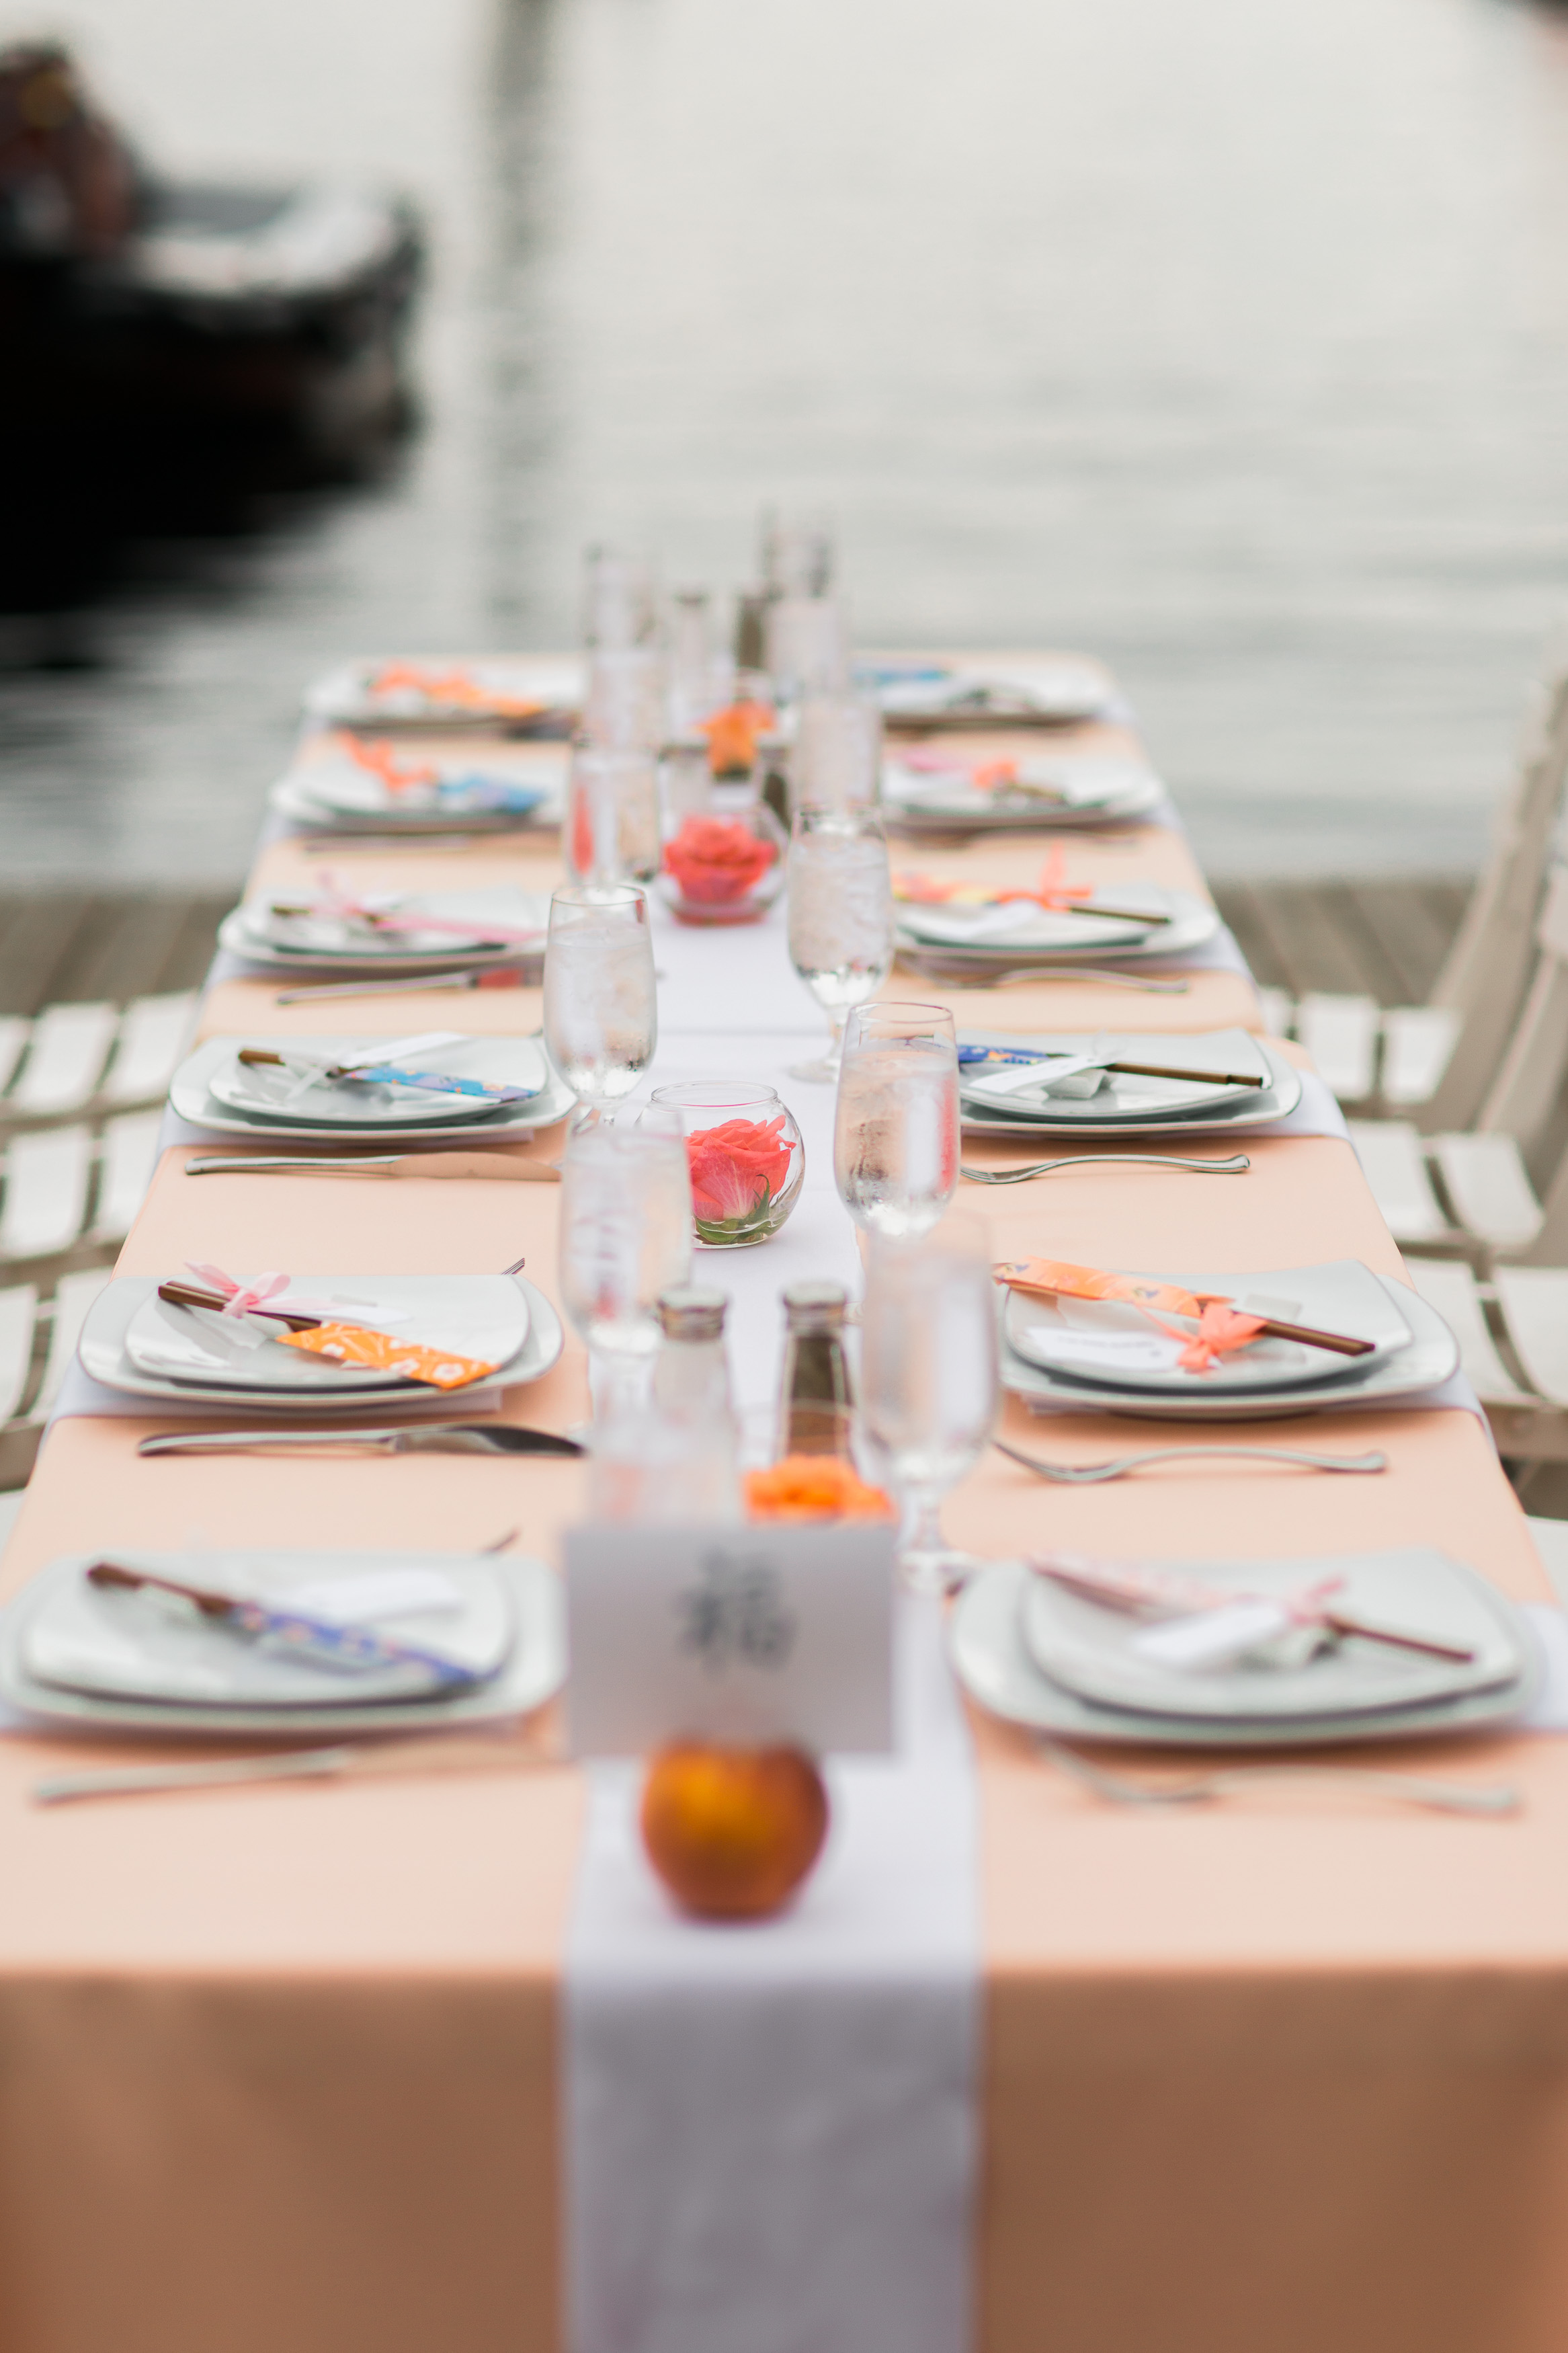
730 1633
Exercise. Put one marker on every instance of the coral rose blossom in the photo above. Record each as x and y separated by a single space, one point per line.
736 1169
717 859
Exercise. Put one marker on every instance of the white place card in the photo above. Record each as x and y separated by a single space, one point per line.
753 1634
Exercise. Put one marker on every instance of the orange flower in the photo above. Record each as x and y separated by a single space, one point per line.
733 735
813 1487
717 859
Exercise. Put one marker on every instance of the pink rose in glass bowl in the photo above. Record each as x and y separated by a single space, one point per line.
724 870
745 1156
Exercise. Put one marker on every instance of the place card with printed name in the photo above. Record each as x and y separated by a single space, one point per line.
745 1634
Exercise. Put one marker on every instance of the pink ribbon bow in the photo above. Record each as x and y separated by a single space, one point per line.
1221 1331
239 1298
333 900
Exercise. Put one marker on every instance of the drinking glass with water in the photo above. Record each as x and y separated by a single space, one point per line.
928 1381
896 1128
625 1236
840 915
601 1008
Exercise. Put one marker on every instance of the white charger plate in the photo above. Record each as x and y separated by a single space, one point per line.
1017 925
1014 694
102 1356
985 1641
191 1099
1127 1100
480 1315
1091 1650
1096 791
1192 924
1343 1296
262 1092
348 696
117 1644
532 1673
292 798
300 944
1431 1359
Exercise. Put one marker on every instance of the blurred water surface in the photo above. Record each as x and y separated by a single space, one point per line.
1230 340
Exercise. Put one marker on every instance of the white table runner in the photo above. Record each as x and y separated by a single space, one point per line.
771 2128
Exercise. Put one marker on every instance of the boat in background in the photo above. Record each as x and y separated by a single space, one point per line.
172 347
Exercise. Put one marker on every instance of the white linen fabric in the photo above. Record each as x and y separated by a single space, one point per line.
770 2127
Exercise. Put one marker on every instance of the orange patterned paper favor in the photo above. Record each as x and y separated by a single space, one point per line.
1052 1279
352 1344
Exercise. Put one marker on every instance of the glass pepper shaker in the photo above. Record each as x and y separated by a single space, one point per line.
816 1399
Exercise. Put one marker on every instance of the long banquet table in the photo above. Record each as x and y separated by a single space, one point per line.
281 2066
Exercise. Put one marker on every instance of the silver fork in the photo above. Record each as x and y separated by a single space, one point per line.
965 977
1095 1474
1236 1166
1202 1788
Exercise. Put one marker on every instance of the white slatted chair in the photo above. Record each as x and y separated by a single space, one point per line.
1436 1062
69 1195
77 1061
38 1335
1475 1193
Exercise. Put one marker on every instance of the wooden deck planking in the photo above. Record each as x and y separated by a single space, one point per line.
74 946
1383 939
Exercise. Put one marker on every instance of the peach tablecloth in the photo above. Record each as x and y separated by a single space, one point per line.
280 2065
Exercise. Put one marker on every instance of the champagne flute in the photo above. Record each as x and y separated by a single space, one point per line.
896 1125
928 1382
626 1236
840 916
601 1006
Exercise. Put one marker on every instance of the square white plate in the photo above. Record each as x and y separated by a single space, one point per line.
1094 791
102 1353
1431 1359
1343 1296
267 1092
120 1644
353 696
532 1672
1192 924
986 1644
994 694
1130 1105
1091 1650
477 1315
520 920
191 1099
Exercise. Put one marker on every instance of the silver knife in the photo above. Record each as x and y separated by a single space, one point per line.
426 1438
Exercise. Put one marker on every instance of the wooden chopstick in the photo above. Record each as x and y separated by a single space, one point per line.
191 1295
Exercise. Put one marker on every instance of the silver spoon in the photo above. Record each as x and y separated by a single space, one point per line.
1202 1789
1236 1166
1094 1474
